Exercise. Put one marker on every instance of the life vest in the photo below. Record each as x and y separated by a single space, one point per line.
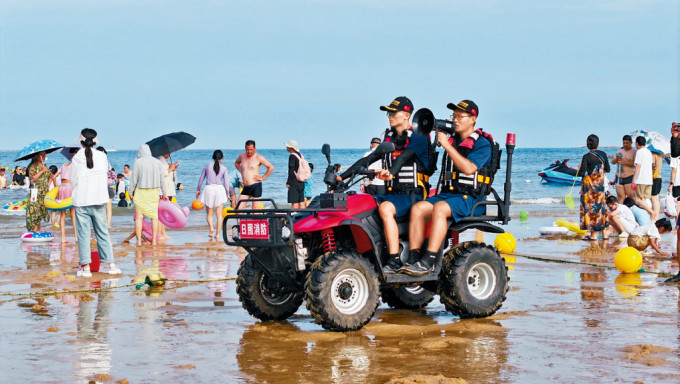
411 174
477 184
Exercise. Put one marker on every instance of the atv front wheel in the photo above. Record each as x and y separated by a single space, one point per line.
473 280
263 297
342 291
412 297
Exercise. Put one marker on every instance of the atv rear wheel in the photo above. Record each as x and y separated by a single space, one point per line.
412 297
473 280
264 298
342 291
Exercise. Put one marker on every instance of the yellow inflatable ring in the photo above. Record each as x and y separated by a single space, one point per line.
52 204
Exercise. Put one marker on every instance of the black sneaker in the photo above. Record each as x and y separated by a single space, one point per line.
391 268
419 268
674 279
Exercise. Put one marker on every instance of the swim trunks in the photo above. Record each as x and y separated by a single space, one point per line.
252 190
625 180
656 186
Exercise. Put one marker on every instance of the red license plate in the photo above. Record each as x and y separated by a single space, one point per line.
254 229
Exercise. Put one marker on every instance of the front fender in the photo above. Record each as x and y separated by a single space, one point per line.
322 221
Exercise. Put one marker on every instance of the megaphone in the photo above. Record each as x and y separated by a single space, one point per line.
424 122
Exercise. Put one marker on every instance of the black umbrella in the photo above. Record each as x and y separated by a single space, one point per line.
169 143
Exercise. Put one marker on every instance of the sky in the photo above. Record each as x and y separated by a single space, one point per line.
316 71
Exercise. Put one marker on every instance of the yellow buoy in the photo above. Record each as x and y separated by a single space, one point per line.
227 211
505 243
628 260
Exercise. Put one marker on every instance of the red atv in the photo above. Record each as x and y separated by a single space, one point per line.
331 255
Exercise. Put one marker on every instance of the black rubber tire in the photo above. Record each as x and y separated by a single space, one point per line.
251 286
403 297
342 291
458 288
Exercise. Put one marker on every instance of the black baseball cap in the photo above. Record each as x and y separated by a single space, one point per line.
468 106
401 103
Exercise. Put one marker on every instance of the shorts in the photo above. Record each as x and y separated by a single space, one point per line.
627 225
460 205
676 192
296 193
638 242
624 180
656 187
214 195
402 202
643 191
112 193
252 190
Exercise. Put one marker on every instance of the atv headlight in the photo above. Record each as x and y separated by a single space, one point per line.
285 234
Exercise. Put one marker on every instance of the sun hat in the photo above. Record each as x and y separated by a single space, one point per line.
293 144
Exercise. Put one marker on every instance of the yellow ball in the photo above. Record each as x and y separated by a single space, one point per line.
628 260
505 243
227 211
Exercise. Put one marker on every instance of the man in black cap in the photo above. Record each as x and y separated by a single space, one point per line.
465 178
402 171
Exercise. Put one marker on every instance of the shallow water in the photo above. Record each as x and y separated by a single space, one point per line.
565 322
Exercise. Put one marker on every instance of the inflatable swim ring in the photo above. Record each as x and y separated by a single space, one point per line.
147 230
52 204
37 237
17 206
554 230
570 225
172 215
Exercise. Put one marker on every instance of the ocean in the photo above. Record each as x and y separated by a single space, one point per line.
528 192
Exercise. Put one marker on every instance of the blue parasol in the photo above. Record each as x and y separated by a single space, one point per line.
66 151
30 150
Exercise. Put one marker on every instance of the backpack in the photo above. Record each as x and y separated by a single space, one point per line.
303 172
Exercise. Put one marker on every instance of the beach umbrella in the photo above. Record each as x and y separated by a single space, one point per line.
39 146
170 142
656 142
66 151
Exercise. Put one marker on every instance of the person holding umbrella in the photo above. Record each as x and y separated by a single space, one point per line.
39 176
148 175
88 179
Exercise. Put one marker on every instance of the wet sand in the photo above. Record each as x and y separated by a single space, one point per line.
570 317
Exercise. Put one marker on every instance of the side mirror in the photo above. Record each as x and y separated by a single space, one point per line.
326 150
385 147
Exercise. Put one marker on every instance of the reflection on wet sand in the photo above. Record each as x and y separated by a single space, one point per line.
474 350
92 347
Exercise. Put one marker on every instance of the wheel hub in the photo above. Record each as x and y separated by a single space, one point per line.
349 291
481 281
345 291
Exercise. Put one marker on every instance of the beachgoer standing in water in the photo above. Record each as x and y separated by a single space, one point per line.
248 163
642 175
624 159
88 180
216 193
296 188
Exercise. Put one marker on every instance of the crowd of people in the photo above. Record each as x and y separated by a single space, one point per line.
634 211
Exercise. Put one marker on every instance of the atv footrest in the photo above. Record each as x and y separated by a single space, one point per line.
402 278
